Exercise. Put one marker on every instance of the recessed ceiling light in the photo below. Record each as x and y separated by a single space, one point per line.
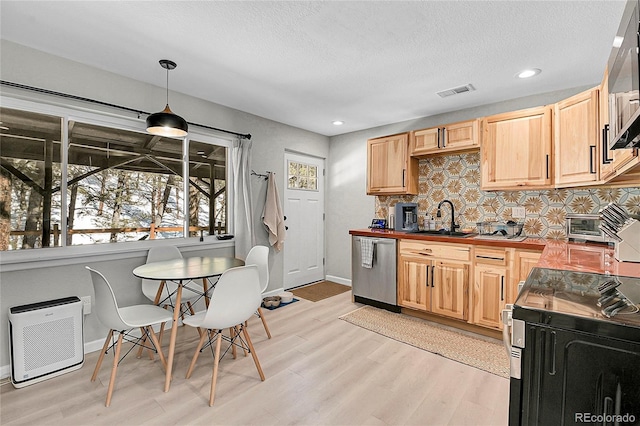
338 123
528 73
617 41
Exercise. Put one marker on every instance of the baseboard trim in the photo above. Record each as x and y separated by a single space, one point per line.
339 280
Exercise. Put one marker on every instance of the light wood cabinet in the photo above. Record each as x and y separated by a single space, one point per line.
490 286
434 278
523 262
613 163
576 141
390 170
451 138
516 150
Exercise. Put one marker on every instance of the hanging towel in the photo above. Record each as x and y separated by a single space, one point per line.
366 250
272 216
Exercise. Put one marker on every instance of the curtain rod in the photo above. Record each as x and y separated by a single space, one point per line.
80 98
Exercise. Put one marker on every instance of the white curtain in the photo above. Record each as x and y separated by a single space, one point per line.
242 209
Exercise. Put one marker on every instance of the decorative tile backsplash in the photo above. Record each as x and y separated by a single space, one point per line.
457 178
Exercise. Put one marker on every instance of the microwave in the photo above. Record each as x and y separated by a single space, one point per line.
624 83
585 227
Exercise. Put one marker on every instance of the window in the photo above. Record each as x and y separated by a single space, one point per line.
30 176
121 185
302 176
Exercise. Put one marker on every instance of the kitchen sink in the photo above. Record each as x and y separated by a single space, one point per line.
444 233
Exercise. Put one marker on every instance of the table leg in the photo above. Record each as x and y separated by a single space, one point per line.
205 282
174 333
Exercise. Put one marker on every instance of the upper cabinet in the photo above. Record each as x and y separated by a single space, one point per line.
613 163
454 137
576 141
516 150
390 170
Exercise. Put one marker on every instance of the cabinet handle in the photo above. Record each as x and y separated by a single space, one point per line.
403 173
605 145
502 288
427 282
444 137
592 151
489 257
433 274
438 137
547 159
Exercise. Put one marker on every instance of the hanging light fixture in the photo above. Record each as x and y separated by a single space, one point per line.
165 122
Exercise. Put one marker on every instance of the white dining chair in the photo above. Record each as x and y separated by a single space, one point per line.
168 295
235 298
123 321
259 256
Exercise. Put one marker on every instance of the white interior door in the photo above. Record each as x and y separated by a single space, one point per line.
304 212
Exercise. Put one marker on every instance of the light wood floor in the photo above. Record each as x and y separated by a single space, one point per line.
319 371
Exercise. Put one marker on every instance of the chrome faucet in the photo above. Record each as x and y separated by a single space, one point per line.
453 221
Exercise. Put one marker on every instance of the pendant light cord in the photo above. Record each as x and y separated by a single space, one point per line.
93 101
167 86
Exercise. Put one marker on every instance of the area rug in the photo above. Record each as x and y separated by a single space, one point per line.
320 290
472 351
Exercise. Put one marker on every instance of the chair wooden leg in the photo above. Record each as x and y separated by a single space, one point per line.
195 356
101 357
156 343
214 378
233 347
253 353
190 306
264 322
114 369
144 343
244 349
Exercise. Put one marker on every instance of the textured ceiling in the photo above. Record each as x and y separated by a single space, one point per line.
307 63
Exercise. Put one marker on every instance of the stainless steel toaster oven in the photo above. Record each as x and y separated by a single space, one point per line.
585 227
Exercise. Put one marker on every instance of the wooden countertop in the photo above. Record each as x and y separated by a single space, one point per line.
556 254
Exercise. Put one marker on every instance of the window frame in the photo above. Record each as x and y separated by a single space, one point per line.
67 113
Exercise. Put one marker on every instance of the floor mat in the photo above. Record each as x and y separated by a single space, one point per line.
479 353
319 291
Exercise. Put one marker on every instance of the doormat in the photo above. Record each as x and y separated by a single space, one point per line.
320 290
271 308
475 352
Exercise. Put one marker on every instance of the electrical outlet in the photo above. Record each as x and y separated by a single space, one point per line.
518 212
86 304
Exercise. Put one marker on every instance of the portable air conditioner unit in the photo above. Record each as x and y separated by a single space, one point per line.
46 340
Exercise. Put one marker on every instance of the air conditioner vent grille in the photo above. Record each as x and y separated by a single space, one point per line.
456 90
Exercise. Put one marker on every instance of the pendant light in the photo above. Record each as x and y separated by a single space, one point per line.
165 122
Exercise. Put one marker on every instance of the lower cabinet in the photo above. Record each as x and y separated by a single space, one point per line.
523 262
490 282
469 283
434 278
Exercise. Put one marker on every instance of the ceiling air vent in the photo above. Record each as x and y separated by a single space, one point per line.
456 90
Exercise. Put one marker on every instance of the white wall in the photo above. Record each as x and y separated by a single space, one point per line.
350 207
23 65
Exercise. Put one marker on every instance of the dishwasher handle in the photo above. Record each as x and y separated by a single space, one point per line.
379 240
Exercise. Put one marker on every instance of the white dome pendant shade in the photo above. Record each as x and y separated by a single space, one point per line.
165 122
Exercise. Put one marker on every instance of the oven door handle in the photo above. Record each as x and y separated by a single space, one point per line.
507 322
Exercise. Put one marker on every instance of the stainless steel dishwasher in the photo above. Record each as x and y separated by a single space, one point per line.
375 286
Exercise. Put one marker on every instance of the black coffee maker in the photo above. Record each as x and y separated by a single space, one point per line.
406 217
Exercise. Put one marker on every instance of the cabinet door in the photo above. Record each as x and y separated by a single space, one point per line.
524 262
449 295
576 140
414 290
516 150
489 295
461 135
389 168
425 141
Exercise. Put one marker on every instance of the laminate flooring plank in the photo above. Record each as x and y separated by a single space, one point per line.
319 370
